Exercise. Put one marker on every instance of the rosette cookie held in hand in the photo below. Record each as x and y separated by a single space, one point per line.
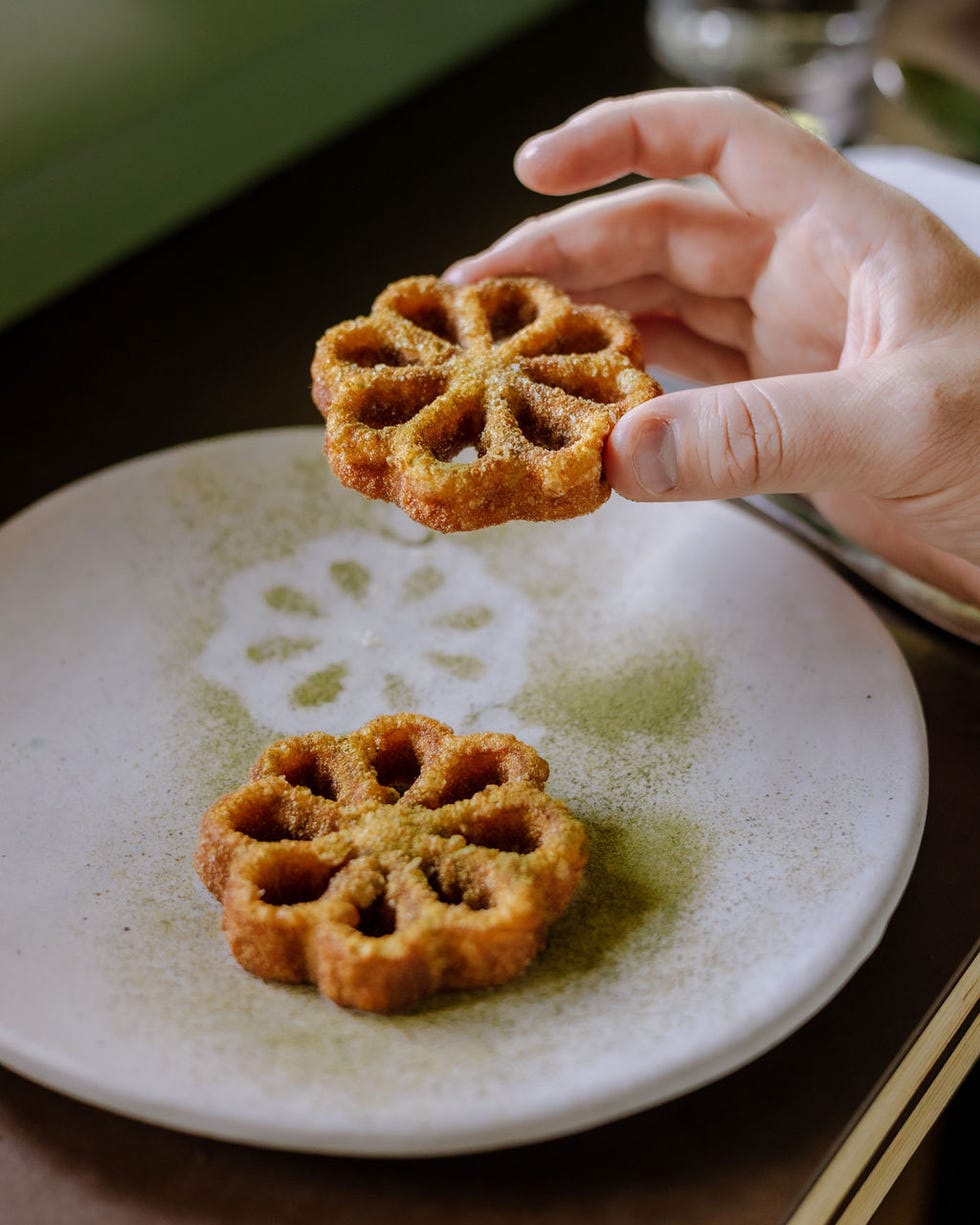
391 863
473 405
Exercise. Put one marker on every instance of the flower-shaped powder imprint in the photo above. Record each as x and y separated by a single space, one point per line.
353 624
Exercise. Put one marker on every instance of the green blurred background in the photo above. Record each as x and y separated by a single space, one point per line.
120 119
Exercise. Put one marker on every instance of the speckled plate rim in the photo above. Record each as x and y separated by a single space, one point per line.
617 1102
18 1052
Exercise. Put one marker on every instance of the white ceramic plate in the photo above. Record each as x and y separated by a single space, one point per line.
735 726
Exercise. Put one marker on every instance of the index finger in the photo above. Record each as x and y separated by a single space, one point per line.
769 167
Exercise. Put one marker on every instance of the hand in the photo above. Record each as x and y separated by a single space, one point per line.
836 321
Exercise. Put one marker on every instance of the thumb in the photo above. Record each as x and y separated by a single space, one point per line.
804 432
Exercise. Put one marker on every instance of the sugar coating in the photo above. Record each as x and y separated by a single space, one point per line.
474 405
391 863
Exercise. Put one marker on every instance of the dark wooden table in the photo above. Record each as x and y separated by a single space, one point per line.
210 332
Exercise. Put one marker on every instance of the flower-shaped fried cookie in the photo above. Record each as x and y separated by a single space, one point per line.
509 369
391 863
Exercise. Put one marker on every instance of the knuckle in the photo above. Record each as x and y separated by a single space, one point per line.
544 253
746 441
937 411
943 409
530 243
607 102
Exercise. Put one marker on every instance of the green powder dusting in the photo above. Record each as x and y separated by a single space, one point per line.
647 858
351 577
399 694
222 503
278 649
663 697
639 879
227 741
321 687
422 582
290 600
473 618
462 667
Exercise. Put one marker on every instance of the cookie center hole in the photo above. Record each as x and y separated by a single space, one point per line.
455 892
395 403
378 919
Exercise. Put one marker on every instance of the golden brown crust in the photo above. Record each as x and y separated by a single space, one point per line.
510 367
391 863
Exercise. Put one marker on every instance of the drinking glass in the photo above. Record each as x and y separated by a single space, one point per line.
814 56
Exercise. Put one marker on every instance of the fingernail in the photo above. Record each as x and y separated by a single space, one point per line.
455 274
655 458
